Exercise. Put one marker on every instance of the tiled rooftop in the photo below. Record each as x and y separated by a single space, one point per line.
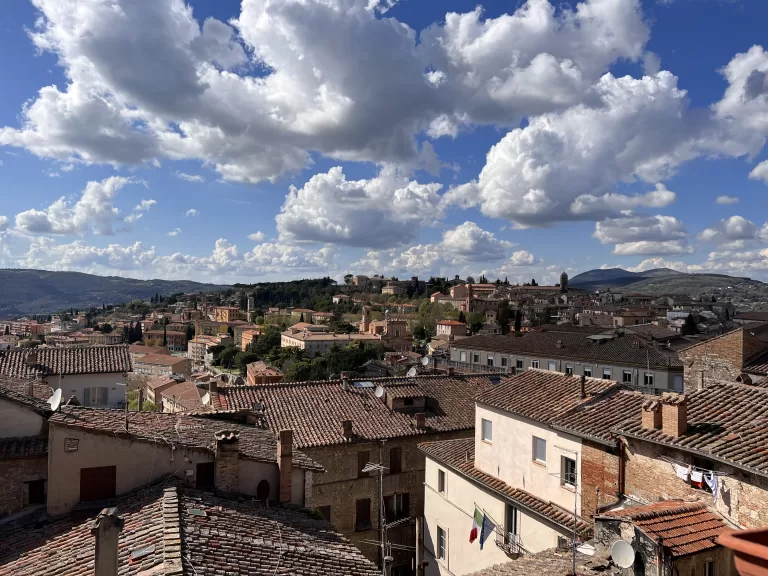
17 391
684 527
160 360
179 429
460 455
623 350
726 422
47 361
185 394
315 410
26 447
221 536
542 395
547 563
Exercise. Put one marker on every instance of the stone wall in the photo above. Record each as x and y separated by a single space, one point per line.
13 474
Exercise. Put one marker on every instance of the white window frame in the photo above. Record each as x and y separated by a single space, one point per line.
624 374
607 373
534 456
462 356
534 363
569 369
504 362
648 379
564 477
489 361
551 365
441 544
486 430
588 371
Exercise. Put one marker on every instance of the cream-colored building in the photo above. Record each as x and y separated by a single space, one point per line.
315 343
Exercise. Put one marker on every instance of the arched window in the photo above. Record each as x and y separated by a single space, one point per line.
263 490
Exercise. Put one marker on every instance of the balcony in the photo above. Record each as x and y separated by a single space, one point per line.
509 543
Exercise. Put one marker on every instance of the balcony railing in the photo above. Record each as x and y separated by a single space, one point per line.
508 542
469 367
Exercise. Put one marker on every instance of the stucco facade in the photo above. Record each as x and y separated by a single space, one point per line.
76 384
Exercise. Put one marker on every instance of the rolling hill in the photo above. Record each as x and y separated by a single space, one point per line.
24 292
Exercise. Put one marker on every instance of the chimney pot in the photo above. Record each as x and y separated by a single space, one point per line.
651 415
106 530
285 463
583 387
450 371
346 427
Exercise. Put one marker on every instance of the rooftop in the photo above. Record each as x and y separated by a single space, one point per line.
315 410
542 395
41 362
160 359
215 534
551 562
260 368
622 349
726 422
460 455
175 428
141 349
684 527
327 336
451 323
185 394
164 332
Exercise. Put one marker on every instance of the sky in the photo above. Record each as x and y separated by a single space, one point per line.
226 141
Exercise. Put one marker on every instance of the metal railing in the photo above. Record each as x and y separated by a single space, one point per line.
508 542
469 367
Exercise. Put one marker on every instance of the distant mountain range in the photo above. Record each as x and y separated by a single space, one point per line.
745 293
26 292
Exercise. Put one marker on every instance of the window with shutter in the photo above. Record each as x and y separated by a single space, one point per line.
86 397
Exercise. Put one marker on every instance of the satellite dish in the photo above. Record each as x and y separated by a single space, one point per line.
379 391
205 399
622 554
55 400
411 373
425 361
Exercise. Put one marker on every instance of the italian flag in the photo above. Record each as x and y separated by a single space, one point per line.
477 521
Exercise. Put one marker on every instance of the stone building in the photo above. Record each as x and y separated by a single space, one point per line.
344 425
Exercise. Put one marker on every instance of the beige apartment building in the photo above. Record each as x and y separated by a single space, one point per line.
159 365
315 343
226 313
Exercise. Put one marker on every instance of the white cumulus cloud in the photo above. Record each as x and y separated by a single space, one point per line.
726 200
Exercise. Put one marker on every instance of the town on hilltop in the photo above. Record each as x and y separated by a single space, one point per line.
407 427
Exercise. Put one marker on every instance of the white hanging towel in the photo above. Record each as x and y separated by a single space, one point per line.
682 472
711 480
696 476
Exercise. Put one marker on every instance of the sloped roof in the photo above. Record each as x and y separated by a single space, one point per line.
542 395
684 527
176 428
161 360
47 361
315 410
460 456
624 349
163 537
551 562
17 391
26 447
727 422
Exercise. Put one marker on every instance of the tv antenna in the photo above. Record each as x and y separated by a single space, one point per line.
412 372
425 361
379 392
622 554
55 400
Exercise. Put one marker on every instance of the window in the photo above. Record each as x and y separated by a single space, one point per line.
539 449
442 544
395 460
262 491
678 385
568 472
363 514
486 427
397 506
463 356
97 483
511 521
476 358
489 360
362 460
204 475
534 363
626 377
606 373
503 362
407 401
519 364
324 512
34 492
588 371
569 369
95 396
648 379
709 568
441 481
551 365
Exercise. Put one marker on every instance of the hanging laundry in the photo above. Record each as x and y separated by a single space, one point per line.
697 479
682 472
711 479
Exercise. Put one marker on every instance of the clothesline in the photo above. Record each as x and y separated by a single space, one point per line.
669 460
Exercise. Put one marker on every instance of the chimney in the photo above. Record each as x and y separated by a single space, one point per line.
344 381
420 421
583 387
285 463
346 427
106 530
227 461
449 370
651 416
674 414
30 388
31 359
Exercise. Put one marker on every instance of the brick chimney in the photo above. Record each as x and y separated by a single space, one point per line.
106 530
420 421
346 428
651 416
674 414
583 387
285 463
450 371
227 461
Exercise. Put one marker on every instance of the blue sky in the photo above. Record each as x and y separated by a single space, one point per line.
278 139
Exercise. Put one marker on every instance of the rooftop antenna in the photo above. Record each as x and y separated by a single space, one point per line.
622 554
425 361
379 391
412 372
55 400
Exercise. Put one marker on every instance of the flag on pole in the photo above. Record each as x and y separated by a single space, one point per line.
477 521
485 531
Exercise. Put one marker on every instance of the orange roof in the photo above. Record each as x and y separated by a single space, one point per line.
451 323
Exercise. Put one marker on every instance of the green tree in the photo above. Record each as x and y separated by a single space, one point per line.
106 328
347 279
475 322
165 336
190 332
689 326
518 321
504 316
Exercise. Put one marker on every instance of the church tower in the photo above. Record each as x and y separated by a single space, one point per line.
563 282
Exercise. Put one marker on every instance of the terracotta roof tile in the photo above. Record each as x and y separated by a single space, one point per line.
161 360
460 455
17 391
596 419
315 410
542 395
547 563
26 447
47 361
685 528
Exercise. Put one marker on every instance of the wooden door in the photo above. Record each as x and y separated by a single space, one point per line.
98 483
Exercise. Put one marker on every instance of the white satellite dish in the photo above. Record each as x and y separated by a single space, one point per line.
411 373
622 554
379 391
55 400
425 361
206 398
